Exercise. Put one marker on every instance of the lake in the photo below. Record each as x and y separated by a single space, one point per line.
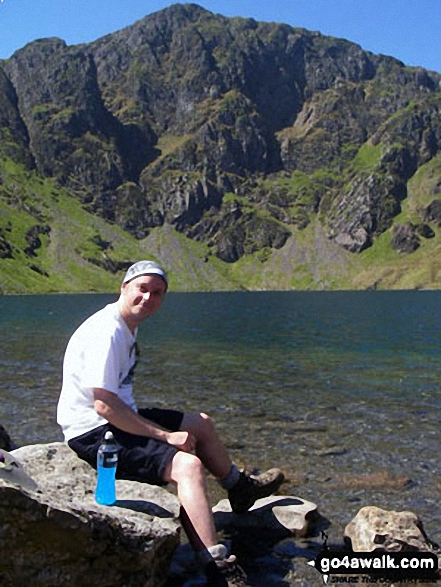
340 389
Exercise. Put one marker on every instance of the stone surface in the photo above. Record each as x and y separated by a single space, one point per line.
12 472
284 513
57 535
433 212
363 209
404 238
392 531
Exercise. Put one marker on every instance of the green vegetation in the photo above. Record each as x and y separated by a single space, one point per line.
367 158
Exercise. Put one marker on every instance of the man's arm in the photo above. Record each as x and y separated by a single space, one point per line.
116 412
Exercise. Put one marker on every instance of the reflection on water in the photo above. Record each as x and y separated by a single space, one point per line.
331 386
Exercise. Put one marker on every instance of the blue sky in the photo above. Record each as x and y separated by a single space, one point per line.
406 29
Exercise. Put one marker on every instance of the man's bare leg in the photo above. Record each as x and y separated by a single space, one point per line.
243 490
187 472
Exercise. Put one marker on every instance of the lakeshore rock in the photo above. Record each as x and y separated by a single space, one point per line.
275 513
57 534
374 528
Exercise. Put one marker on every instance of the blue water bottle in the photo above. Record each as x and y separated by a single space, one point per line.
107 461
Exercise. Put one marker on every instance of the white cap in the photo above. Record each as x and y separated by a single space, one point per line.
145 268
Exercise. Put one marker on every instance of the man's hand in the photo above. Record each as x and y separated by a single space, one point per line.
182 440
114 410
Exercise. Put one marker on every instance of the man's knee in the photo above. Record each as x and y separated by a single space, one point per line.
199 424
186 466
205 425
206 421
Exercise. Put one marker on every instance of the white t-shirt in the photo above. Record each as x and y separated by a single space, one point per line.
101 353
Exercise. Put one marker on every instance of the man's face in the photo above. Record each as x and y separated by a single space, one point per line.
141 298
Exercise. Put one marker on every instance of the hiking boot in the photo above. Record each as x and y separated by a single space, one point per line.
250 488
225 573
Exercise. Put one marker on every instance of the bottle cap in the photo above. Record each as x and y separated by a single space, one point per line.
108 435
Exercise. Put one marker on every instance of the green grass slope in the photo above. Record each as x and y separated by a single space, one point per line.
68 258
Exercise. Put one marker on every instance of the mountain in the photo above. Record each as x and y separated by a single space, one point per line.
241 154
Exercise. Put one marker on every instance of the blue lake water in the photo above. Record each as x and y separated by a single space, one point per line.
341 389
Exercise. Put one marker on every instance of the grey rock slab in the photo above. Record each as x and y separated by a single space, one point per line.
55 533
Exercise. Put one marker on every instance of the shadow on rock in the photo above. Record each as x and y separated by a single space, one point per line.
144 507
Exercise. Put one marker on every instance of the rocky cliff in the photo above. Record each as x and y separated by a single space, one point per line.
236 133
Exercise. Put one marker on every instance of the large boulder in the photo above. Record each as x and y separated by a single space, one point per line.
54 533
374 528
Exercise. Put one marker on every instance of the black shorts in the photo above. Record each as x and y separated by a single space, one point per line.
140 458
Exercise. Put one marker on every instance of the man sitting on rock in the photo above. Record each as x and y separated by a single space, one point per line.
156 446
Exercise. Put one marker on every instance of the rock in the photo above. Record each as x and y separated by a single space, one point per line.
14 141
424 230
73 136
283 513
33 238
57 534
374 528
234 234
355 241
333 451
384 480
12 473
405 239
433 212
365 209
262 539
5 246
180 199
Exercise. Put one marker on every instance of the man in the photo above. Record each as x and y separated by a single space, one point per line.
155 446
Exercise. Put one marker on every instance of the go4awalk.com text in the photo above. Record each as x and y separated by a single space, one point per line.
369 567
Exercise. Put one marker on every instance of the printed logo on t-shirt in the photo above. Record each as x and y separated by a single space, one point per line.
128 380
